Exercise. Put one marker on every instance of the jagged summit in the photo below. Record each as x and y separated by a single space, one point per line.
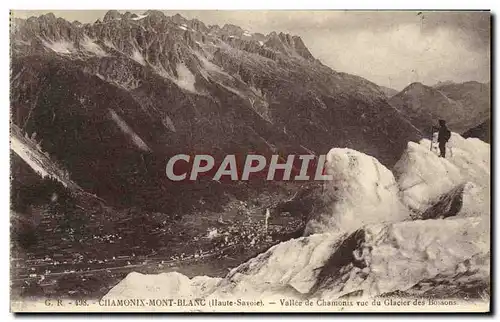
178 18
52 29
112 15
47 17
416 86
233 29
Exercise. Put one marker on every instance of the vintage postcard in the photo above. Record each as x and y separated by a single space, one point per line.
250 161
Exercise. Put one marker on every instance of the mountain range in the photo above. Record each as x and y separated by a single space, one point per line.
462 105
110 101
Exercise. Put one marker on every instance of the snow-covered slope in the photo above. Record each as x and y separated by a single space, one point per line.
368 245
31 153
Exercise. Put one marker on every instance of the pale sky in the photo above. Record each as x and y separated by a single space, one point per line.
392 49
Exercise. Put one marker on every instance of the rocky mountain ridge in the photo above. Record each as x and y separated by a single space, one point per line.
113 99
463 106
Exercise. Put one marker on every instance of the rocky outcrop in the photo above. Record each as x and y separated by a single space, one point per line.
112 15
449 204
482 131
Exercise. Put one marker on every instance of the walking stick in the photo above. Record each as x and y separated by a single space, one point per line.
432 135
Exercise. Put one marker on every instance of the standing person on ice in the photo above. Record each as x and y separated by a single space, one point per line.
444 135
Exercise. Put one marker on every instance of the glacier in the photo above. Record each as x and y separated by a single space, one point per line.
368 241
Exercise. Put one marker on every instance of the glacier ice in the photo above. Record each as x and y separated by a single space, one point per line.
362 191
364 243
